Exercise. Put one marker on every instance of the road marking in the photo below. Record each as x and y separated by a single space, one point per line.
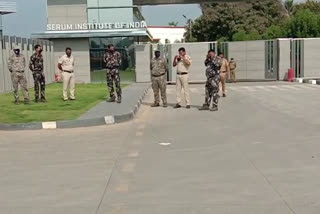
263 88
134 154
129 167
109 120
49 125
164 144
122 188
291 87
117 209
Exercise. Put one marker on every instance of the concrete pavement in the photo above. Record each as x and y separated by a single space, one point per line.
258 154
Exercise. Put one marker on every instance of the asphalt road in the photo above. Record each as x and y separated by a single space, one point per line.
259 154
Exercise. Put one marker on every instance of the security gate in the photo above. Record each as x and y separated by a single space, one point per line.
297 57
271 60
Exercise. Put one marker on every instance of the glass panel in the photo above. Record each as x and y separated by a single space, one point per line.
124 45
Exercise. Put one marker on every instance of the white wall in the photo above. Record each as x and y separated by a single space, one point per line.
170 33
143 56
284 58
250 58
311 58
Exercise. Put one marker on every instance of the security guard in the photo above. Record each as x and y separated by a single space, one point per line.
159 68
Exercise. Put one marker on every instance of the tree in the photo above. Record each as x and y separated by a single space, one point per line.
225 19
241 35
274 31
289 5
173 24
304 24
312 5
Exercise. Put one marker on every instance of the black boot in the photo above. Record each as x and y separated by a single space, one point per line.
111 99
205 107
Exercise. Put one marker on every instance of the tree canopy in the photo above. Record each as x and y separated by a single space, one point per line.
254 20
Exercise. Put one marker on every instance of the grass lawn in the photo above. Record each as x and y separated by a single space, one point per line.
99 76
87 95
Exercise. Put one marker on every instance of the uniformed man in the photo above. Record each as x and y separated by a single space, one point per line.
66 65
17 65
224 71
36 66
158 76
233 66
213 64
112 59
182 62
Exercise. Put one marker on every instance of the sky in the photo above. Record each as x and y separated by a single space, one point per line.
31 16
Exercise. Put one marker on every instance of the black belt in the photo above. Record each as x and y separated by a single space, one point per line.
115 67
158 75
182 73
68 72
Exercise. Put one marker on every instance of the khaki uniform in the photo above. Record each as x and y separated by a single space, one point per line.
182 81
224 74
17 65
159 68
67 64
233 66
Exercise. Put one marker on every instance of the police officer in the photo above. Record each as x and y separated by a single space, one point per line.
233 66
36 66
113 61
224 71
213 64
159 68
17 65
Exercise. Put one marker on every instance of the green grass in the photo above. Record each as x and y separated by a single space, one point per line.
99 76
87 95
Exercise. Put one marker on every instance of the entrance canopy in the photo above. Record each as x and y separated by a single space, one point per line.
157 2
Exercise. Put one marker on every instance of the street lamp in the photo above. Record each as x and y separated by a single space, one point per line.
189 21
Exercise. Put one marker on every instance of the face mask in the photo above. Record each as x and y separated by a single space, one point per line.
157 55
17 52
40 51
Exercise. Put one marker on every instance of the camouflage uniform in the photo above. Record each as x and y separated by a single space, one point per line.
36 66
158 76
17 65
113 62
213 81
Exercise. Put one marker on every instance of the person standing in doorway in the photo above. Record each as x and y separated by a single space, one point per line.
233 66
224 71
36 66
182 62
213 64
159 68
112 59
66 66
16 66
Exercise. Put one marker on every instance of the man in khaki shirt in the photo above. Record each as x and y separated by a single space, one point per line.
224 71
182 62
66 65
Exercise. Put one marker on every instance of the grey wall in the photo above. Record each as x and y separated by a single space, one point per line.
250 58
75 12
80 51
198 52
311 57
27 50
284 57
143 56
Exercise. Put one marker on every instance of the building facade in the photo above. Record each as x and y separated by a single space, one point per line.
88 26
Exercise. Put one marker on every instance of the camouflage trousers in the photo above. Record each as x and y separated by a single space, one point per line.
159 84
212 90
39 85
113 76
19 79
